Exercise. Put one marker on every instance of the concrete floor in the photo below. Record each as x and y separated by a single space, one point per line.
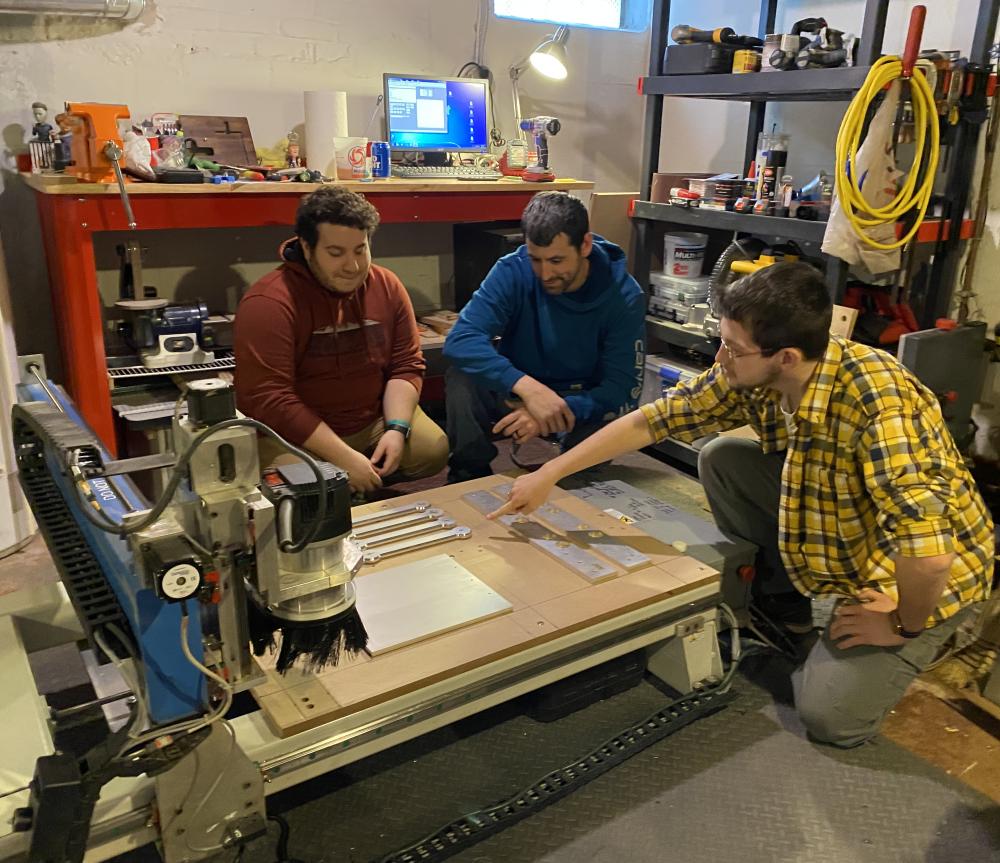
930 722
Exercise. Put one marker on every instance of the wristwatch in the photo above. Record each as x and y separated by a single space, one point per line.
897 626
402 426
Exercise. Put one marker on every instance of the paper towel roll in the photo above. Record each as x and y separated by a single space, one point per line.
326 119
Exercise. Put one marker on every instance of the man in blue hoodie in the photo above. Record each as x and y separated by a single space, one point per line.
570 320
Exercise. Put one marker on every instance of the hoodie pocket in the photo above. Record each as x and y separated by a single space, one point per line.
350 350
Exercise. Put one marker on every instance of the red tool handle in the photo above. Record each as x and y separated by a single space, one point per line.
914 34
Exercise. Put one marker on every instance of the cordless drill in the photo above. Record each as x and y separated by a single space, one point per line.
685 34
541 128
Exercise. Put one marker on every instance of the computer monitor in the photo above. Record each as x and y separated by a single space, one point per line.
437 114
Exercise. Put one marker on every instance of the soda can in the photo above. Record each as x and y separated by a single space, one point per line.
381 166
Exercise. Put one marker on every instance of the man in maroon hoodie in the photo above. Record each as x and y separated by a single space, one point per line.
328 351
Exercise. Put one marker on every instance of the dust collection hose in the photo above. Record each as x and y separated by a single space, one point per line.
859 212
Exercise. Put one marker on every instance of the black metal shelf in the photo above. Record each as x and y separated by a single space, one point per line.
799 85
758 89
764 226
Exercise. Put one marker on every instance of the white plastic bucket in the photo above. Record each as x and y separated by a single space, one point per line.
683 254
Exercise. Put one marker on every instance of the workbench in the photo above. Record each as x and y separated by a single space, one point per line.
72 212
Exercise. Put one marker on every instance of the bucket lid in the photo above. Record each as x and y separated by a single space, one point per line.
688 237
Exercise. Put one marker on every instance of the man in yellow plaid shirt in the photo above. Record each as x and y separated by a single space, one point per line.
855 488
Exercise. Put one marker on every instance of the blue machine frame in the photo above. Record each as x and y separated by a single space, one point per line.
175 689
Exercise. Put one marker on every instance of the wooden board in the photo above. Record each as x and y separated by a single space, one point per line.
42 183
609 217
843 321
547 601
228 138
408 603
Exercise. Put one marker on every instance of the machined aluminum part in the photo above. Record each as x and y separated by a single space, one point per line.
406 532
416 517
383 514
572 556
417 542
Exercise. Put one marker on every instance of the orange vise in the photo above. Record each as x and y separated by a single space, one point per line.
95 126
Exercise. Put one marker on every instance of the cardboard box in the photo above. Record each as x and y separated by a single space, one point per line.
663 183
441 321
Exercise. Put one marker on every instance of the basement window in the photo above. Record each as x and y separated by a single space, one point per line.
633 15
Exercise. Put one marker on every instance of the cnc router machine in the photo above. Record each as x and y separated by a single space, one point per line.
353 629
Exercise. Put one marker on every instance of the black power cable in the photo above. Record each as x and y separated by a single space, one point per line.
281 849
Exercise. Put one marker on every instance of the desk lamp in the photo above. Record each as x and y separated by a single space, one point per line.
549 59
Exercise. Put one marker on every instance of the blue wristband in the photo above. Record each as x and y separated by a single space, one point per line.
402 426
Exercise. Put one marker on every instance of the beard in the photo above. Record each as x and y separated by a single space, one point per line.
562 284
342 285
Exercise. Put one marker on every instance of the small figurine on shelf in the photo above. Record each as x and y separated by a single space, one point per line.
62 155
292 157
42 131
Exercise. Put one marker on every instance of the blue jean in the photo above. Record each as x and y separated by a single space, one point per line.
472 411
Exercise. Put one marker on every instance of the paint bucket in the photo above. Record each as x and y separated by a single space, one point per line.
683 254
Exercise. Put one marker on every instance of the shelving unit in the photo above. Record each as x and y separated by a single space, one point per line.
812 85
805 85
761 226
649 219
769 227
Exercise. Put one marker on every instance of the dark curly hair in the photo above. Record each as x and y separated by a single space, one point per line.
336 206
786 305
549 214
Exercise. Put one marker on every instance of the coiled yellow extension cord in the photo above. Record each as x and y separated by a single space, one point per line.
859 212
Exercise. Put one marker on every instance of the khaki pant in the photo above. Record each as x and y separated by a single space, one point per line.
425 453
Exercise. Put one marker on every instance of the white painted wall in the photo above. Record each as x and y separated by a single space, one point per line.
254 58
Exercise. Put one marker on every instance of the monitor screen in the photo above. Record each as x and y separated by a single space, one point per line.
437 113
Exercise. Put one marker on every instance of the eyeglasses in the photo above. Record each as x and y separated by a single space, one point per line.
734 356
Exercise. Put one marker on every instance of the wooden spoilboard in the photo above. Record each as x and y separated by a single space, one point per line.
547 601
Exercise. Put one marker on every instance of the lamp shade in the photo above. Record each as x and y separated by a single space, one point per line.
549 58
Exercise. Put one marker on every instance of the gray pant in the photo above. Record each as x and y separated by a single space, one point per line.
842 696
472 411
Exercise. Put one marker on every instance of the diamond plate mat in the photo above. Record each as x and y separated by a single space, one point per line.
743 784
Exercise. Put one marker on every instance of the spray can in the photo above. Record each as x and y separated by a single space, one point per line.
381 165
772 158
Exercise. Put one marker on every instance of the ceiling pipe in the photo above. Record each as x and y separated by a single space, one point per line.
125 10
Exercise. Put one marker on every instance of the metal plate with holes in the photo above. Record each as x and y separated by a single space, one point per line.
559 518
581 562
612 547
483 501
582 533
394 523
416 542
383 514
406 532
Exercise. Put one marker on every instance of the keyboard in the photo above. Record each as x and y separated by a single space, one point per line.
444 172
